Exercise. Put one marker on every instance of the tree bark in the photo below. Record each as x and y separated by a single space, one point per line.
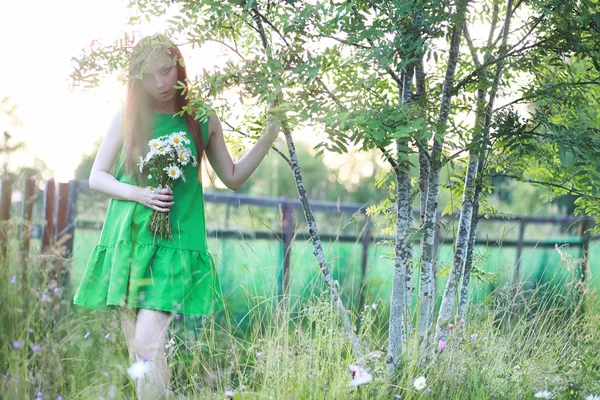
400 304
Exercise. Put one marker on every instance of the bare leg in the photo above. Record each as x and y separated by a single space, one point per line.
149 341
128 319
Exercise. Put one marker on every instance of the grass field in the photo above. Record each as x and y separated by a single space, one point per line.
257 349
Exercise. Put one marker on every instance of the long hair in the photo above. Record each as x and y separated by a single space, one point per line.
138 111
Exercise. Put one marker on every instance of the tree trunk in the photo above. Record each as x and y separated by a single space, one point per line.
400 304
332 284
435 166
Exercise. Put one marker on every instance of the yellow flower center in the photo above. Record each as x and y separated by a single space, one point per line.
173 172
154 144
176 140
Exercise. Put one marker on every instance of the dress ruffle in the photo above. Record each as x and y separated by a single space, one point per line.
152 277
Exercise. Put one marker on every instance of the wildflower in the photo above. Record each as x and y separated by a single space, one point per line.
112 391
163 150
173 171
559 381
13 279
59 397
44 298
176 138
485 339
183 159
258 354
228 393
461 322
107 336
474 337
353 369
420 383
151 189
155 144
4 376
441 345
138 369
56 290
374 306
16 344
169 344
361 377
397 396
593 397
366 306
428 391
242 388
30 330
517 368
451 327
141 164
543 395
87 335
36 348
39 394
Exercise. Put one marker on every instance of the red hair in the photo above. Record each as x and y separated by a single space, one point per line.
137 114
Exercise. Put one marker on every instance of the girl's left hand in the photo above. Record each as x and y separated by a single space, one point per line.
273 124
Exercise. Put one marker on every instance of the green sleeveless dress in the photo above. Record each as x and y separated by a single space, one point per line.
130 266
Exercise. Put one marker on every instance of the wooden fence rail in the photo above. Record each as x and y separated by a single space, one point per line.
61 221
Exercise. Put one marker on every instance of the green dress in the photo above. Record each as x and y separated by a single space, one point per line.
130 266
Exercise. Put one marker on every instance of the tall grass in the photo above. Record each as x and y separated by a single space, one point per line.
294 348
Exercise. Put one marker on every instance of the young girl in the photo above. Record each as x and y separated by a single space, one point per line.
146 277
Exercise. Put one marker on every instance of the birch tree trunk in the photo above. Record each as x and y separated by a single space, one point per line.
401 298
318 252
332 284
426 270
435 165
462 239
465 240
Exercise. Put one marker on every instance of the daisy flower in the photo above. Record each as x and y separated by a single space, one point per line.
592 397
420 383
138 369
173 171
141 164
155 144
361 377
163 150
176 138
543 395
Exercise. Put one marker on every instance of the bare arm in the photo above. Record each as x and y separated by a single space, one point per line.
234 174
102 181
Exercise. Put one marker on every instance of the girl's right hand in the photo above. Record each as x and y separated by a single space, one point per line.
158 199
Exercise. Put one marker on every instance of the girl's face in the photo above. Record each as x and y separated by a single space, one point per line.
160 79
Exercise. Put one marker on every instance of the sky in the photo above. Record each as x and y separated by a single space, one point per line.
59 124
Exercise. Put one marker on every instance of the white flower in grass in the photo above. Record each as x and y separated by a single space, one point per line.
593 397
151 189
420 383
138 369
543 395
361 377
173 171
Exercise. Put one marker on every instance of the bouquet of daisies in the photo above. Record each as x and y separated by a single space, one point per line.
165 161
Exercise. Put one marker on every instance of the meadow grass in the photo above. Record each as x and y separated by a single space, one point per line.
511 347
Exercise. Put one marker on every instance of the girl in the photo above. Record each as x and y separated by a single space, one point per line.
148 278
